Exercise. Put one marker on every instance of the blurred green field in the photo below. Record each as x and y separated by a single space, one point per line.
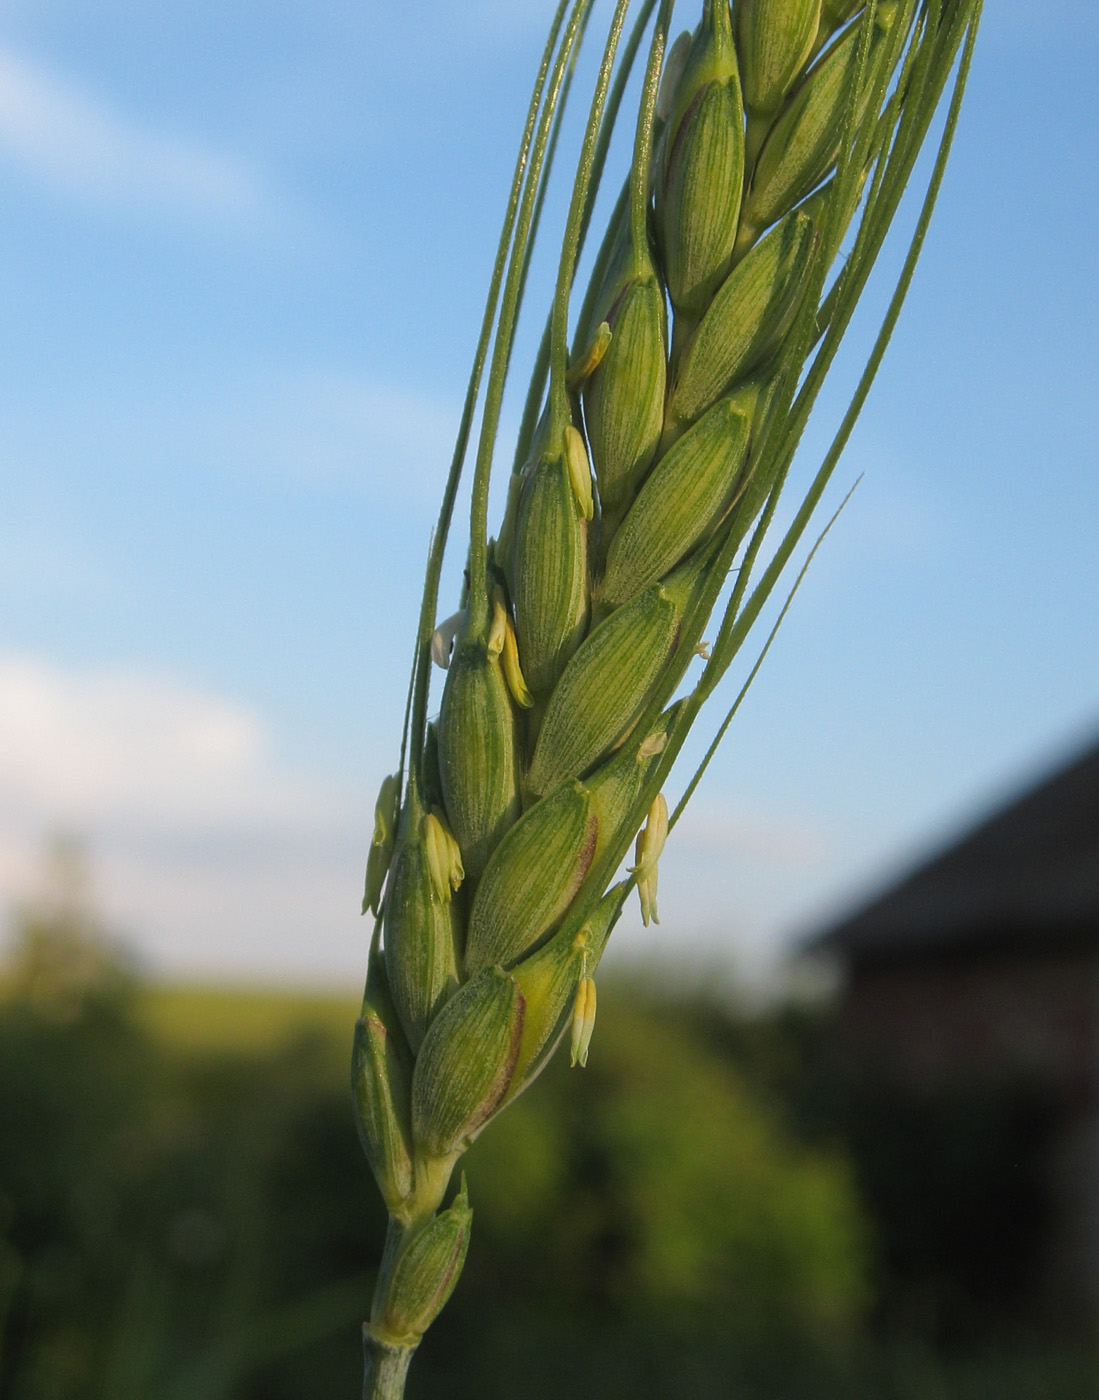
185 1213
205 1018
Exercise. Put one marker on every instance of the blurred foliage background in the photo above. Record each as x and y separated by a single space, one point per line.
706 1210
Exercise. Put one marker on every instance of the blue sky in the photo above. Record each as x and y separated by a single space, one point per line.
244 252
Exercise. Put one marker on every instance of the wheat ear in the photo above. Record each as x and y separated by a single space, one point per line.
770 151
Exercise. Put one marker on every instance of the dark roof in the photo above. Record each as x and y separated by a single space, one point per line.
1028 876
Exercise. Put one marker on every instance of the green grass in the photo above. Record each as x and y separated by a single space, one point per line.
247 1020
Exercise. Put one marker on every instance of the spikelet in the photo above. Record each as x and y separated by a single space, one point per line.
421 927
465 1065
550 571
774 39
606 685
624 394
682 500
426 1270
802 146
702 172
745 322
380 1088
543 860
478 747
531 878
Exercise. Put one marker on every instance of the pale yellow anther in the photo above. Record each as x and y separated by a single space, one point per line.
703 650
513 672
650 843
583 1020
494 642
651 837
576 457
582 369
438 856
385 811
652 745
456 870
444 859
646 893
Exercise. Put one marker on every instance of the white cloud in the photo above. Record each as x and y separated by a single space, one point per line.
209 852
77 143
139 753
213 856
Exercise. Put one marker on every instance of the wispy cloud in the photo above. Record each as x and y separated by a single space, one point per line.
141 753
210 852
324 428
215 855
335 428
78 143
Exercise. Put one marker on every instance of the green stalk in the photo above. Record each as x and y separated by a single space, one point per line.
643 140
385 1368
